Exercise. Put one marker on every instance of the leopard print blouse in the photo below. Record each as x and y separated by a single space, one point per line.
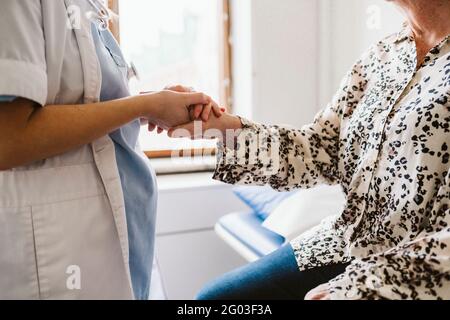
385 138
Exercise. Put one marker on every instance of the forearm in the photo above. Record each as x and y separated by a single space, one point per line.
283 158
31 133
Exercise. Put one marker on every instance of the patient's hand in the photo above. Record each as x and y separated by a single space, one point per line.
319 293
226 128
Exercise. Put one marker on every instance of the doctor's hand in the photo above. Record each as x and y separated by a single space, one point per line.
197 111
167 109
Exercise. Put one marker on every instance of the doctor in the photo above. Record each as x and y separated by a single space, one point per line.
77 195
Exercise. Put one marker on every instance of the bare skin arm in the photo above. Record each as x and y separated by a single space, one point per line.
29 132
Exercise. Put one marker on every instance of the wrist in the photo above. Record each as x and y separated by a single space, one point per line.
231 131
237 123
148 105
231 122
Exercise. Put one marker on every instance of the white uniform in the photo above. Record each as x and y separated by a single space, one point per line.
63 232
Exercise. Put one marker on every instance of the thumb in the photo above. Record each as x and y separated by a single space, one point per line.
196 98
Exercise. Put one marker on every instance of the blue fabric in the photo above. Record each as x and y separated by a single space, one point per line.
7 98
274 277
248 230
137 178
262 200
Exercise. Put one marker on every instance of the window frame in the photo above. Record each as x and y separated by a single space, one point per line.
226 78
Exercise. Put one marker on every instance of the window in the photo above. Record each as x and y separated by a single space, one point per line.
175 42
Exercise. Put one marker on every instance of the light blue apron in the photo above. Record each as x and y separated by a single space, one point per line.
137 178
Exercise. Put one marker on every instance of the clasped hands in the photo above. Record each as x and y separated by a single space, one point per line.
193 121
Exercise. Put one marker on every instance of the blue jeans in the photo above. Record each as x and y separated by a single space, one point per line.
275 277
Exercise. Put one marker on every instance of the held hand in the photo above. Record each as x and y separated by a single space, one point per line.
195 111
319 293
226 128
199 111
167 109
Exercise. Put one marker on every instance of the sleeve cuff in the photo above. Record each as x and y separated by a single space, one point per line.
227 157
223 151
23 79
244 163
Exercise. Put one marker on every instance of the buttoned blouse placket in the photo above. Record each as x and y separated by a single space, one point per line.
401 92
367 176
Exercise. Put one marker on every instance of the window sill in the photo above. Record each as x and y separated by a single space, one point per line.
187 181
169 166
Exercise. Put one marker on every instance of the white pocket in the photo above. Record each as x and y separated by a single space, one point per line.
78 250
18 272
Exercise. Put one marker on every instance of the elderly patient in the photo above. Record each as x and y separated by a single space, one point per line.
385 138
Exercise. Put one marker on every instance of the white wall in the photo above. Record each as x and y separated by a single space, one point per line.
276 47
290 55
285 61
242 66
190 254
347 29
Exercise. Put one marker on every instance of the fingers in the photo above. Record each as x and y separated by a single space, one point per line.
201 108
206 112
151 127
218 111
197 111
192 115
196 99
179 88
143 121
